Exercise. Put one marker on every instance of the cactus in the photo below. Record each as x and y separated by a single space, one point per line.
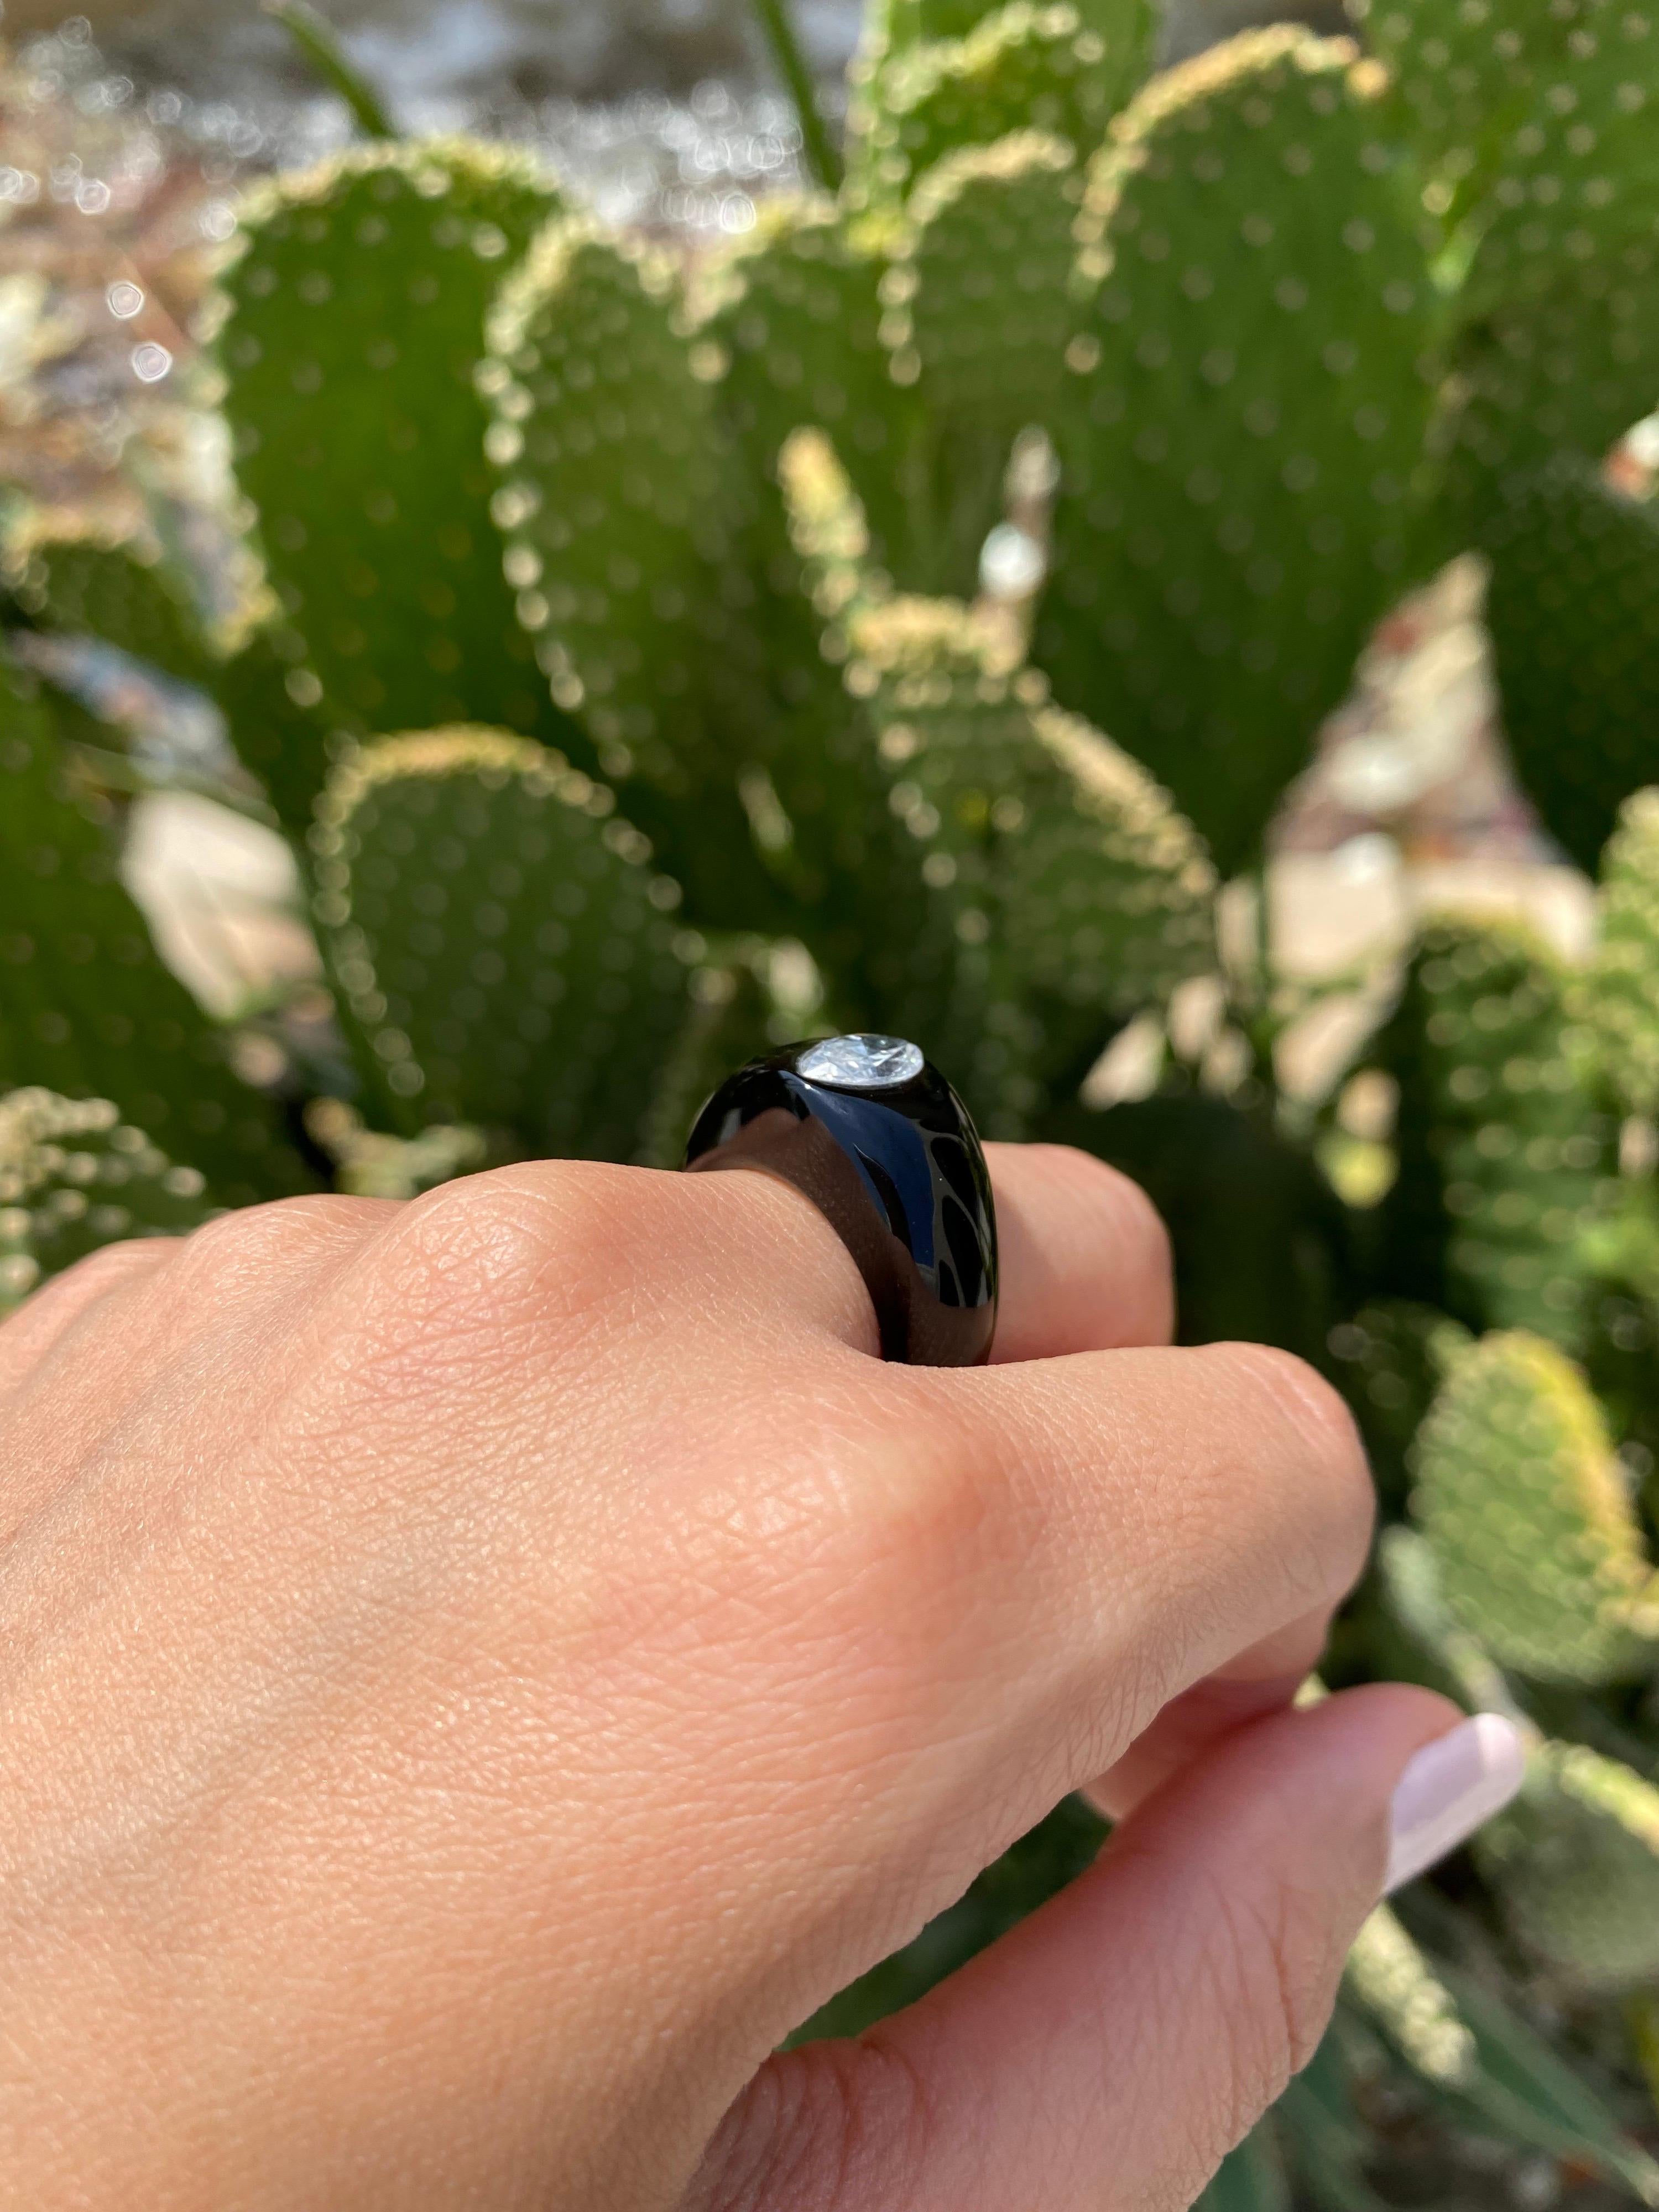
87 1008
368 1164
120 589
795 313
1536 126
1529 1518
1620 997
1024 68
1574 612
1576 1860
270 699
1395 1983
366 279
1392 1357
1244 511
980 316
1060 887
73 1176
621 514
502 945
1504 1156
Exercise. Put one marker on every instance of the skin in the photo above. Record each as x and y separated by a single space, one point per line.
474 1674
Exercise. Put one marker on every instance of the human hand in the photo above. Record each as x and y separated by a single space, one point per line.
474 1674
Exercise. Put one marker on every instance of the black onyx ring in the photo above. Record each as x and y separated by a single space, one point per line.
878 1139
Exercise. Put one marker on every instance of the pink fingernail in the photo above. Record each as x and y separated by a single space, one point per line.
1447 1789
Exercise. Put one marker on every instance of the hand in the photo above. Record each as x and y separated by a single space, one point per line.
475 1675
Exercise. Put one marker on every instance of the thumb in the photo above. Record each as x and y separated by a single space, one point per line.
1110 2049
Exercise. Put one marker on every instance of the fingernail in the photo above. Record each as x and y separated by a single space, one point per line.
1449 1788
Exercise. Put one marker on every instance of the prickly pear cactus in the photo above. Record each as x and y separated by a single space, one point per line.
1528 1515
1023 68
502 945
1620 1000
1536 125
795 315
356 315
87 1007
75 1176
619 515
370 1164
1395 1982
1391 1357
1573 609
1503 1156
1061 891
1241 508
1576 1860
980 316
123 591
271 700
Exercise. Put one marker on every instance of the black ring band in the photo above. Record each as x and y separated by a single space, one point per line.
878 1139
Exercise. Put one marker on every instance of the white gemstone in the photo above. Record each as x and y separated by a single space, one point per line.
861 1063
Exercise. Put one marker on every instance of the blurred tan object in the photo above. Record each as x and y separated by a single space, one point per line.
1415 750
222 897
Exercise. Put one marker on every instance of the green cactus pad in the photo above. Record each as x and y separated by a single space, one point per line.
122 591
1576 1860
1527 1514
1462 79
1391 1978
893 27
270 698
1243 450
983 281
617 501
1063 892
796 311
500 940
1573 609
75 1176
1562 300
357 324
1620 999
1025 68
87 1007
1504 1155
1389 1360
980 319
625 508
1536 124
370 1164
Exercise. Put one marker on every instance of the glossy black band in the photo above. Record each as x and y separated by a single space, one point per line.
896 1168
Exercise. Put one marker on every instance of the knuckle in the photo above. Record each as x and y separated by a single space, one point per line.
246 1248
1320 1445
563 1235
105 1269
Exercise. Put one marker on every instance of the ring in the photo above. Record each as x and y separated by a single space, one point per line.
873 1134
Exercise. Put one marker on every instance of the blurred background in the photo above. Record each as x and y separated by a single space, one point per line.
125 134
